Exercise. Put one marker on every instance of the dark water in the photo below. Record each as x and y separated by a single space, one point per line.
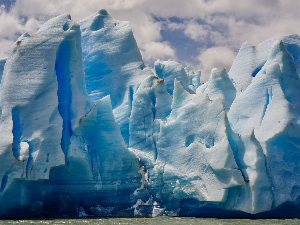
154 221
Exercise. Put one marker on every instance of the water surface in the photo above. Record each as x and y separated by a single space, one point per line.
153 221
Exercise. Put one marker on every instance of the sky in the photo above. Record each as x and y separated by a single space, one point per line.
201 34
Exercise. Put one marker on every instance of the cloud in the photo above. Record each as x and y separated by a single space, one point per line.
158 50
36 12
5 46
192 29
196 31
221 25
215 57
175 26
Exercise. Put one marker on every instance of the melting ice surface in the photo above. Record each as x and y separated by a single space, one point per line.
87 129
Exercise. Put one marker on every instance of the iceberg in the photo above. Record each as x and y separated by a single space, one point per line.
86 129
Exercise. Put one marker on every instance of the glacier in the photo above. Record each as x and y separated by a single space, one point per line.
87 129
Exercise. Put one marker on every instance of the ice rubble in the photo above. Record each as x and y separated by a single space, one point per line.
88 130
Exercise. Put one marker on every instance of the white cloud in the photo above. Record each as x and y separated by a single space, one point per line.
227 23
9 25
158 50
5 46
196 31
190 28
146 29
175 26
215 57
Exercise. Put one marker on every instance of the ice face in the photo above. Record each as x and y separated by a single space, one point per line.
112 63
229 150
171 70
200 163
52 135
2 64
97 141
202 152
273 94
40 97
256 196
219 86
195 77
41 100
268 93
151 104
251 59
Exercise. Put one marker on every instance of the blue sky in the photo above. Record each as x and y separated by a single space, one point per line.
201 34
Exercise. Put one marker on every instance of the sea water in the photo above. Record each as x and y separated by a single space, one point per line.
154 221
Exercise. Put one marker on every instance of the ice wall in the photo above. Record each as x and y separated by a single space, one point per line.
94 132
219 86
169 70
151 105
58 148
199 163
37 99
113 64
251 59
2 64
273 94
40 92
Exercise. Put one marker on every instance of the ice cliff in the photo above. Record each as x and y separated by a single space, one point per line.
86 129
